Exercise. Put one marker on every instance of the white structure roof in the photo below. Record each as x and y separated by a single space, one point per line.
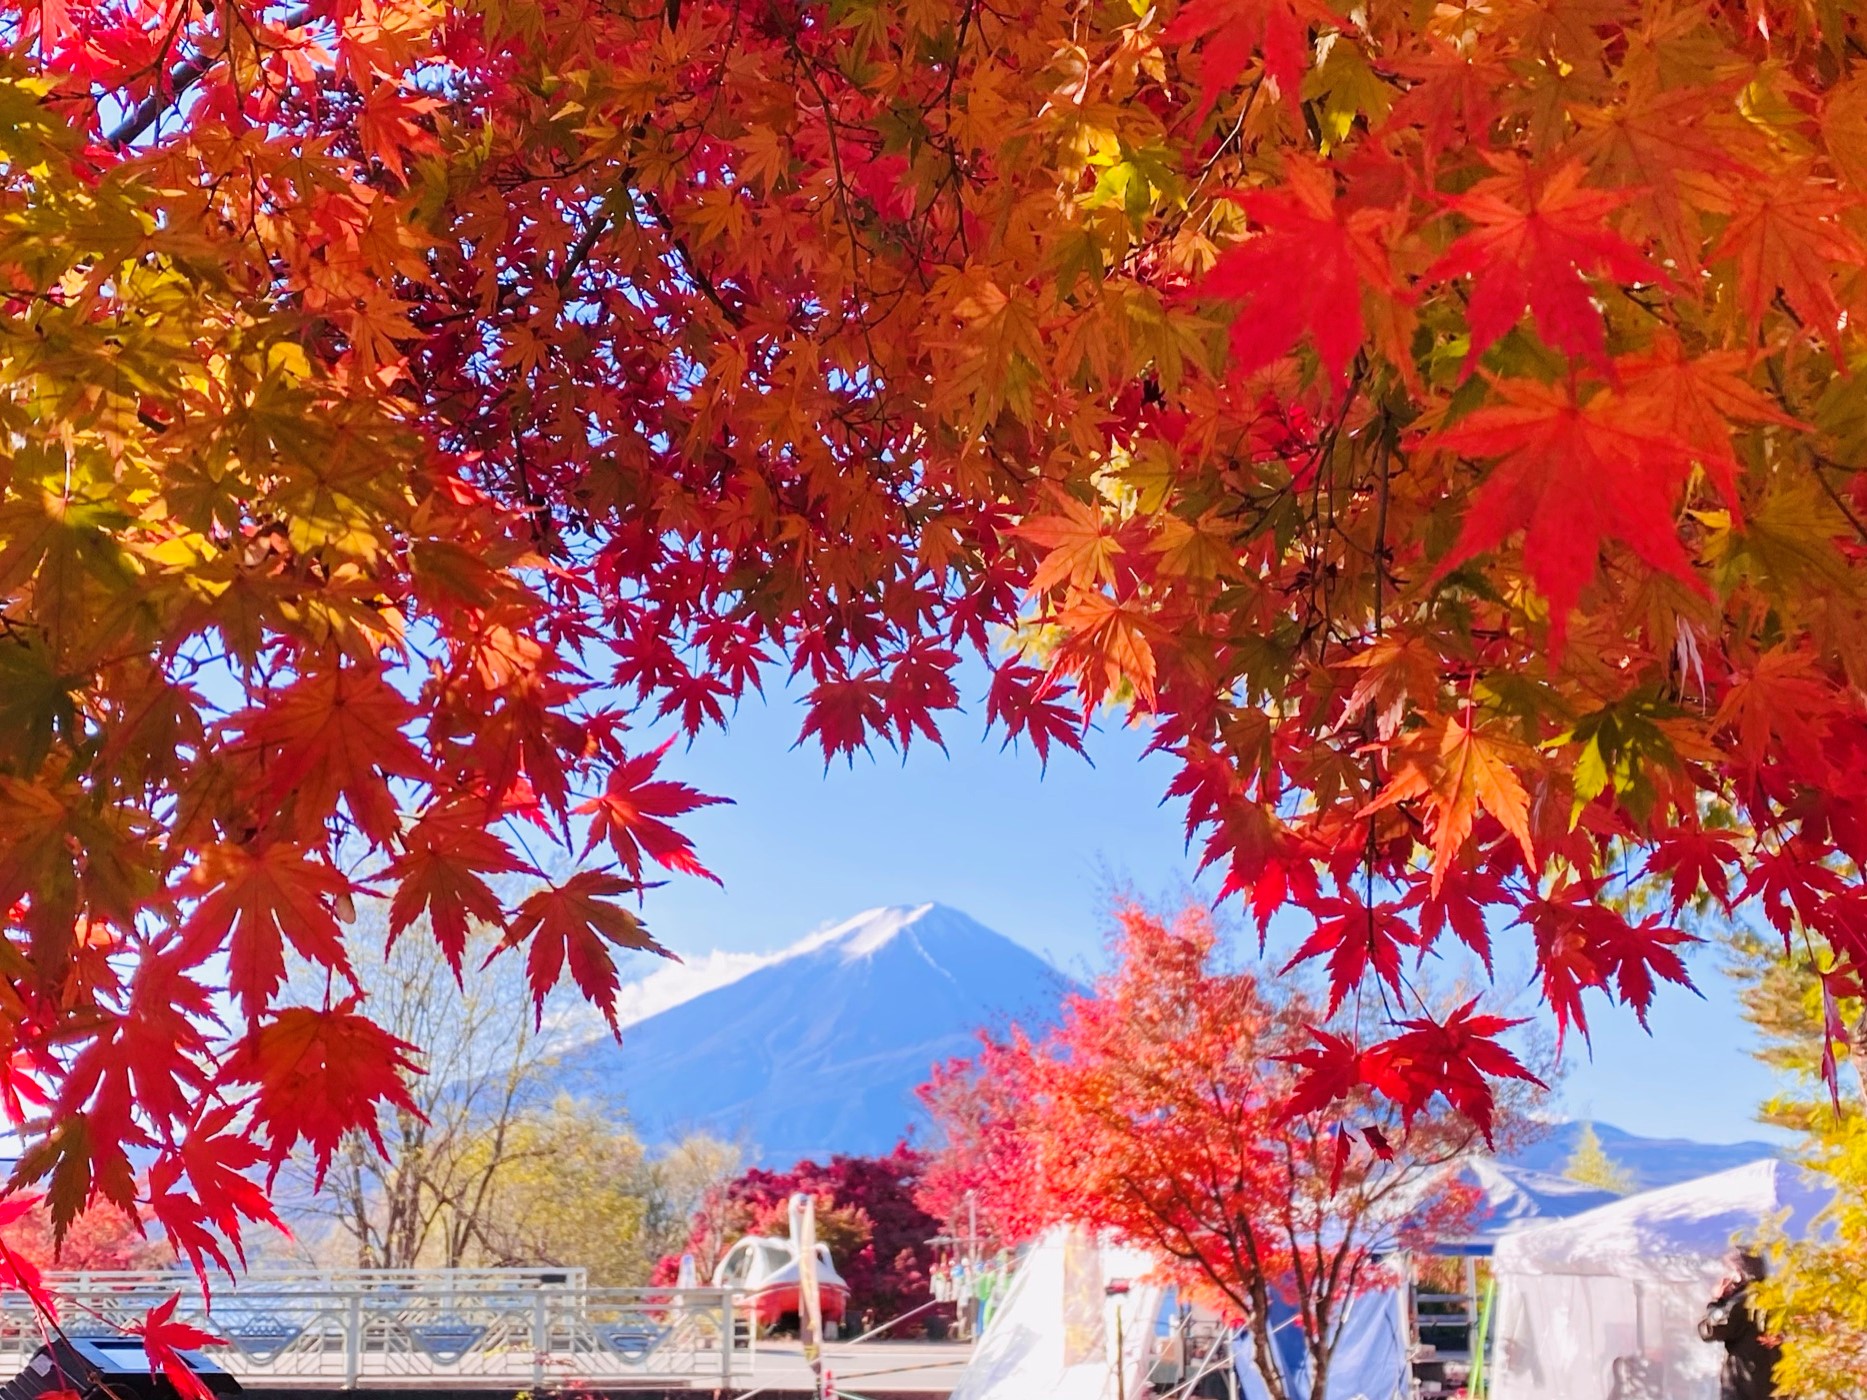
1681 1232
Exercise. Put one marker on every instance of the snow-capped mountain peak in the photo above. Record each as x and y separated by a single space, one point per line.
864 934
816 1047
671 984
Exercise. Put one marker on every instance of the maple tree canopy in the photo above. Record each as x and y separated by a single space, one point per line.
1435 420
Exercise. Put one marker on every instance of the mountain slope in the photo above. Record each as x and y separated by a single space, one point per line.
819 1049
1651 1162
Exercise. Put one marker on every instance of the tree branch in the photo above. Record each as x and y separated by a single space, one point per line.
180 78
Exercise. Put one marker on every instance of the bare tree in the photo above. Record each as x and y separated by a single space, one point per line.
484 1066
497 1168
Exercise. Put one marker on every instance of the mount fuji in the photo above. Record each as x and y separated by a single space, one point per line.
816 1049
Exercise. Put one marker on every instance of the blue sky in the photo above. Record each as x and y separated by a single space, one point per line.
1036 854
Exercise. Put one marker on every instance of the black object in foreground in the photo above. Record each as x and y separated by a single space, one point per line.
107 1368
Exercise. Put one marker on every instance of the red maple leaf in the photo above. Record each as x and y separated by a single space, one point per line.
214 1162
1458 1058
163 1341
1331 1071
1571 474
1582 943
1788 884
920 682
1635 954
629 815
439 873
1457 899
254 902
843 712
1339 1157
1021 701
321 1074
1356 937
1234 31
392 123
338 731
150 1056
1538 235
1834 1029
1302 272
1695 858
1564 962
1454 93
576 922
20 1271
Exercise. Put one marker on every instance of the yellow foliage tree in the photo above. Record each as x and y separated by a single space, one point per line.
568 1190
1815 1298
1591 1165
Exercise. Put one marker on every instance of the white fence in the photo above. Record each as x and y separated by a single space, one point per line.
520 1327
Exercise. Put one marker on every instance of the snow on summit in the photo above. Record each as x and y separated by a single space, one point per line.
672 984
872 929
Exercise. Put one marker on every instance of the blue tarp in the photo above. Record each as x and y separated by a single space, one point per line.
1370 1359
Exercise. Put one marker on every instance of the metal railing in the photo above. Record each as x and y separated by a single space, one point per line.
536 1327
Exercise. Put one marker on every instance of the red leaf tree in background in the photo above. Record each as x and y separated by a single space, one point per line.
868 1213
98 1239
1166 1107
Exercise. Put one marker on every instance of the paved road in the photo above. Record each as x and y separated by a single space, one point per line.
859 1367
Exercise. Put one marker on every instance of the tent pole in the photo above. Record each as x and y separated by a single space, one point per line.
1479 1382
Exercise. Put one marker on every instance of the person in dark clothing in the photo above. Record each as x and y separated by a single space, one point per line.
1749 1356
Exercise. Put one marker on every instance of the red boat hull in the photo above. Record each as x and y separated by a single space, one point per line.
780 1300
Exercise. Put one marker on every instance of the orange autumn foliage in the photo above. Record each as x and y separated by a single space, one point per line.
1433 422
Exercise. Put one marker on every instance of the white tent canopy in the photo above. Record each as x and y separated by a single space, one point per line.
1680 1232
1055 1333
1591 1304
1511 1197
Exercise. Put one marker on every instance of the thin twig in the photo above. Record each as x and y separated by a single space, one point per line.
182 77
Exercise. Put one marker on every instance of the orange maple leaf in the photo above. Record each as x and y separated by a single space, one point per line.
1456 770
1106 645
1787 235
1397 668
1078 550
1783 702
1697 399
